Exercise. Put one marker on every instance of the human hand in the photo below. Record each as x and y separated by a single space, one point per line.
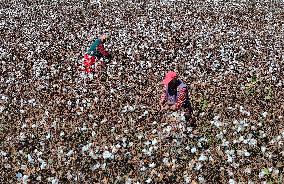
173 108
164 107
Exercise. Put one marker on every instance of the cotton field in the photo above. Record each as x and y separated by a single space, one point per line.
61 125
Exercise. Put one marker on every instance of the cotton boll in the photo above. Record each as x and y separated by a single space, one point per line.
48 135
264 114
43 165
198 166
69 153
232 181
107 155
193 150
143 169
154 142
54 181
252 142
30 159
19 176
25 179
2 109
149 180
154 131
96 166
86 147
202 158
152 165
246 153
62 134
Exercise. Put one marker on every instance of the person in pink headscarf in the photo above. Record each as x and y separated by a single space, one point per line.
175 95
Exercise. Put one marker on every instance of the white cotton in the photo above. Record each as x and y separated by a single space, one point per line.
230 158
103 166
264 114
149 180
96 166
139 137
165 160
62 134
202 158
231 181
118 146
147 143
253 142
168 128
246 153
69 153
43 165
107 155
154 142
193 150
3 153
25 179
30 159
152 165
54 181
2 109
143 168
198 166
86 147
19 176
24 125
48 135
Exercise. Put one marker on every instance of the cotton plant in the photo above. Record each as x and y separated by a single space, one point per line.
201 179
216 122
225 143
198 166
203 157
193 150
84 128
42 163
69 153
25 179
230 155
86 147
152 165
186 178
96 166
167 129
30 159
243 111
54 181
108 155
149 180
143 168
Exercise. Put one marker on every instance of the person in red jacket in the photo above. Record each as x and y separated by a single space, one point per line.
95 53
175 95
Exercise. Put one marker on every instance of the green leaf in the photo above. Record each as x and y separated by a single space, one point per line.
203 104
280 179
265 171
253 79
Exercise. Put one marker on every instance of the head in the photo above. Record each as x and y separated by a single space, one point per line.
104 37
171 79
173 83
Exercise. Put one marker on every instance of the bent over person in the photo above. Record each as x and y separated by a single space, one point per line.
95 53
175 95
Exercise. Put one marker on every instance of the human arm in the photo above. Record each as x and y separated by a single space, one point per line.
181 99
103 51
